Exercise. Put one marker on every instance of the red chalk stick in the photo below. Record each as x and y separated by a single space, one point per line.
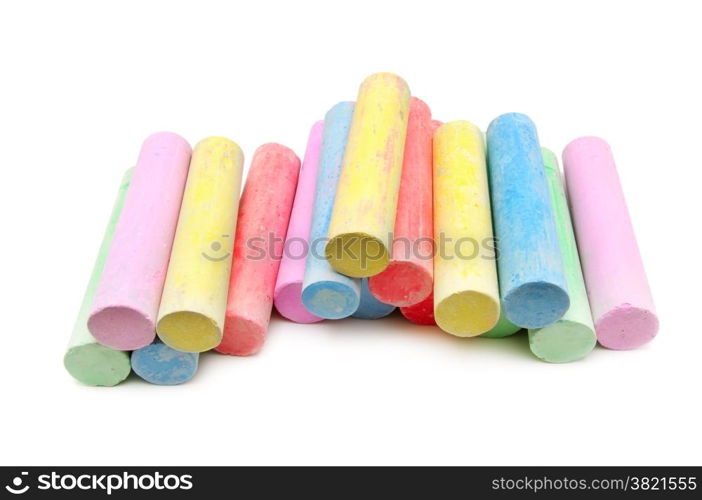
264 213
408 279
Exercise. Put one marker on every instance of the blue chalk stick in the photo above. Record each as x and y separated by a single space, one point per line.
160 364
325 292
370 307
530 268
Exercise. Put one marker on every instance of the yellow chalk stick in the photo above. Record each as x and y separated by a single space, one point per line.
191 315
466 295
366 200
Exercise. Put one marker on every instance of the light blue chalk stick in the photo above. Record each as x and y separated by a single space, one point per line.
159 364
370 307
532 282
325 292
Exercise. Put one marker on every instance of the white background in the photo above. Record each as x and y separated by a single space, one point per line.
83 83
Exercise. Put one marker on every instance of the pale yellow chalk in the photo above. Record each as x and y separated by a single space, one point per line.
191 316
466 294
366 200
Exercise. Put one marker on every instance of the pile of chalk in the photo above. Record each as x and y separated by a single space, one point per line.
475 233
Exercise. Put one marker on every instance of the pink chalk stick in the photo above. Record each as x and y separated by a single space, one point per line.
409 277
264 213
288 287
619 294
126 302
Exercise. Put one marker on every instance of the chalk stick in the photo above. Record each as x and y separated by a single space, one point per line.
408 279
370 307
326 293
503 328
288 287
360 231
466 294
532 282
85 359
573 336
123 315
619 293
160 364
421 313
264 214
191 315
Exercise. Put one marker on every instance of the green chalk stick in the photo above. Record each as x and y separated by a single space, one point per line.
573 336
503 328
85 359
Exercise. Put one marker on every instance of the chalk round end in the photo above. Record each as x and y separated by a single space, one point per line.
242 337
536 304
162 365
467 314
97 365
402 284
288 302
358 255
122 328
562 342
189 331
331 299
626 327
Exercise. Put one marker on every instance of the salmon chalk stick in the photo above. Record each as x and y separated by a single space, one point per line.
408 279
421 313
191 315
532 282
264 214
85 359
123 315
619 293
360 231
288 288
326 293
466 294
160 364
370 307
573 336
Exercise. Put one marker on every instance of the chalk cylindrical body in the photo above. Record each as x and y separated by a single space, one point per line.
85 359
288 287
370 307
160 364
264 214
573 336
532 283
325 292
421 313
125 309
408 279
466 294
619 293
191 314
503 328
364 212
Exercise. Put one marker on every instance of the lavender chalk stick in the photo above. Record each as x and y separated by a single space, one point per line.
288 287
